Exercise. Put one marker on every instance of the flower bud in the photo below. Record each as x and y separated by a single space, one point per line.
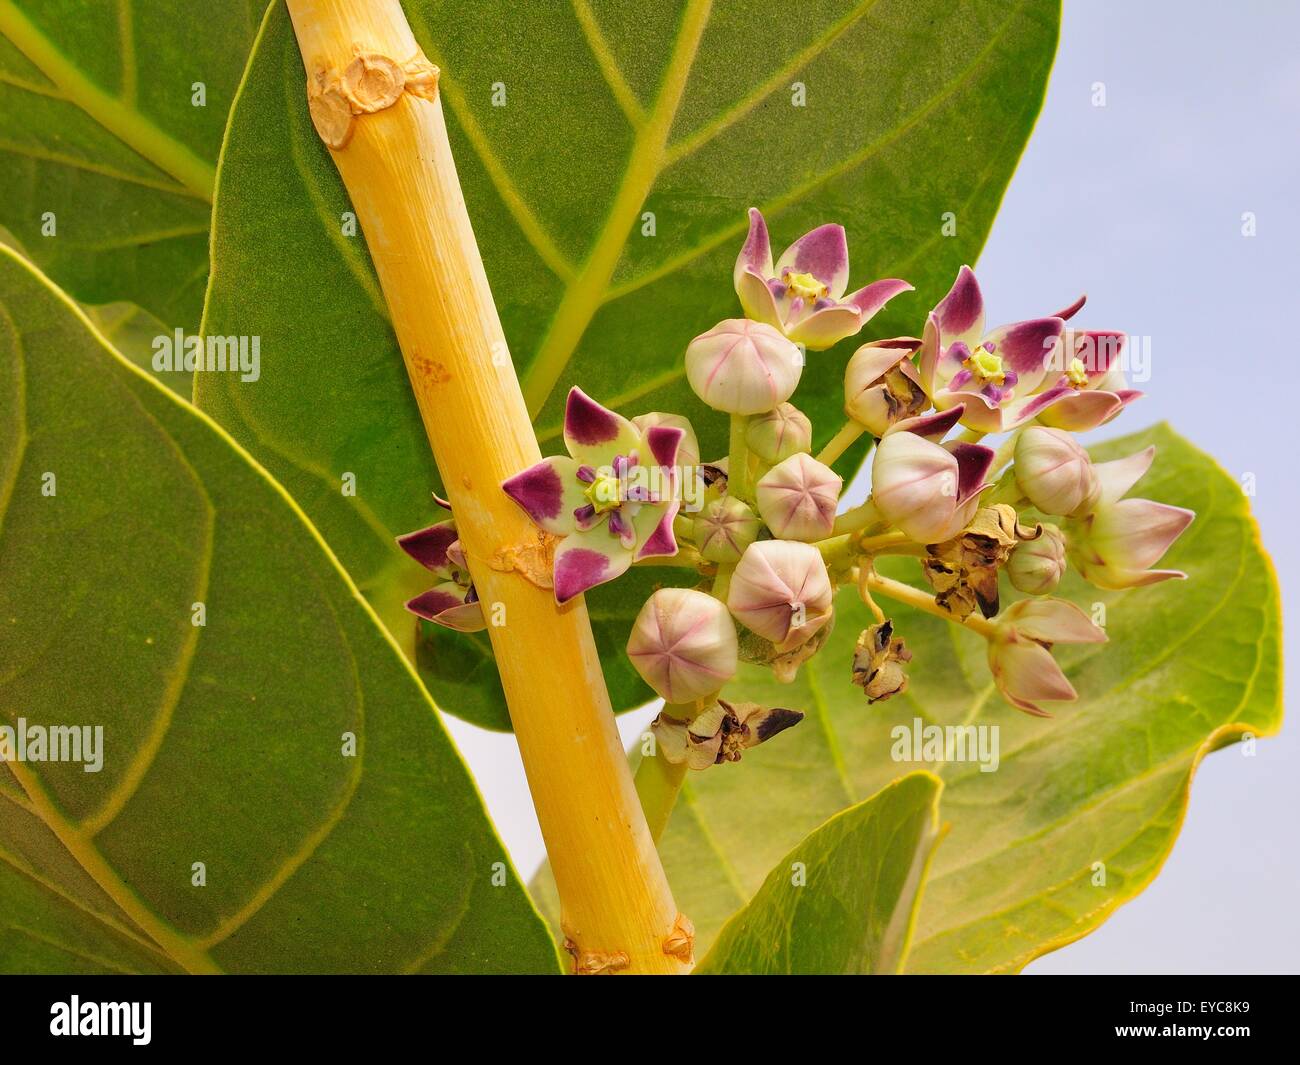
724 527
1055 472
1036 566
683 644
743 367
797 498
928 491
781 591
881 386
781 432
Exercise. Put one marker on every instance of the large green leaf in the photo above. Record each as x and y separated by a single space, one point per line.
224 743
1190 666
99 127
914 108
844 901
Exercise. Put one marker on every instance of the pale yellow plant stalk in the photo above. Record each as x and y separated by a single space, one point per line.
374 100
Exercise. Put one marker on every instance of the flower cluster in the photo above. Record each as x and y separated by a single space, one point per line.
765 536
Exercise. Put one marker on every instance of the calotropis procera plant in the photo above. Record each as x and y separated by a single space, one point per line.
763 533
849 514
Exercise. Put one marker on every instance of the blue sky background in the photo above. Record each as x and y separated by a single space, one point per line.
1140 203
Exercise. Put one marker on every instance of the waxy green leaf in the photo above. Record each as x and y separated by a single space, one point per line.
276 791
111 118
1082 809
844 901
608 154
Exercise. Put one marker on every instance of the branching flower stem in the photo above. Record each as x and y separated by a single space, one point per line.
919 600
840 443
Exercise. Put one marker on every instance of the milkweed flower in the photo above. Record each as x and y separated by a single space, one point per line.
683 643
797 498
1090 367
995 376
1116 544
743 367
452 603
1055 472
1020 656
803 294
611 500
929 490
781 591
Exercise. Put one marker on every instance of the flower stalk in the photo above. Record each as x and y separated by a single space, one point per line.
374 100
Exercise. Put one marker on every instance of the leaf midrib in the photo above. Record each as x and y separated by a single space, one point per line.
115 115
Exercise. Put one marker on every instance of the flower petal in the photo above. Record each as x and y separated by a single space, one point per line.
871 298
928 360
1053 621
663 442
1134 533
1097 349
1079 412
429 546
1073 309
586 559
446 604
595 434
960 314
979 412
1025 672
654 530
757 300
825 328
1119 475
1026 347
973 462
822 252
756 254
549 493
932 426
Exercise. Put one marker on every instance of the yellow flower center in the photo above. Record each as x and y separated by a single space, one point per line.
1076 373
985 366
603 493
805 286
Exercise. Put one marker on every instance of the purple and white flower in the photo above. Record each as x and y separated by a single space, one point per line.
995 376
453 602
803 294
611 500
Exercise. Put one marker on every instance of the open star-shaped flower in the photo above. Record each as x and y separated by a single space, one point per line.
611 500
803 294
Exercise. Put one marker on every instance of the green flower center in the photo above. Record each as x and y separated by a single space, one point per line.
985 366
805 287
603 493
1076 373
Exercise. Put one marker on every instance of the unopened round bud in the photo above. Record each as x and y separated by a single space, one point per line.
1055 472
1036 566
743 367
914 486
683 644
781 432
781 591
797 498
724 527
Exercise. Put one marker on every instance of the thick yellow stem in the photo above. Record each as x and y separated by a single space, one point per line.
374 100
